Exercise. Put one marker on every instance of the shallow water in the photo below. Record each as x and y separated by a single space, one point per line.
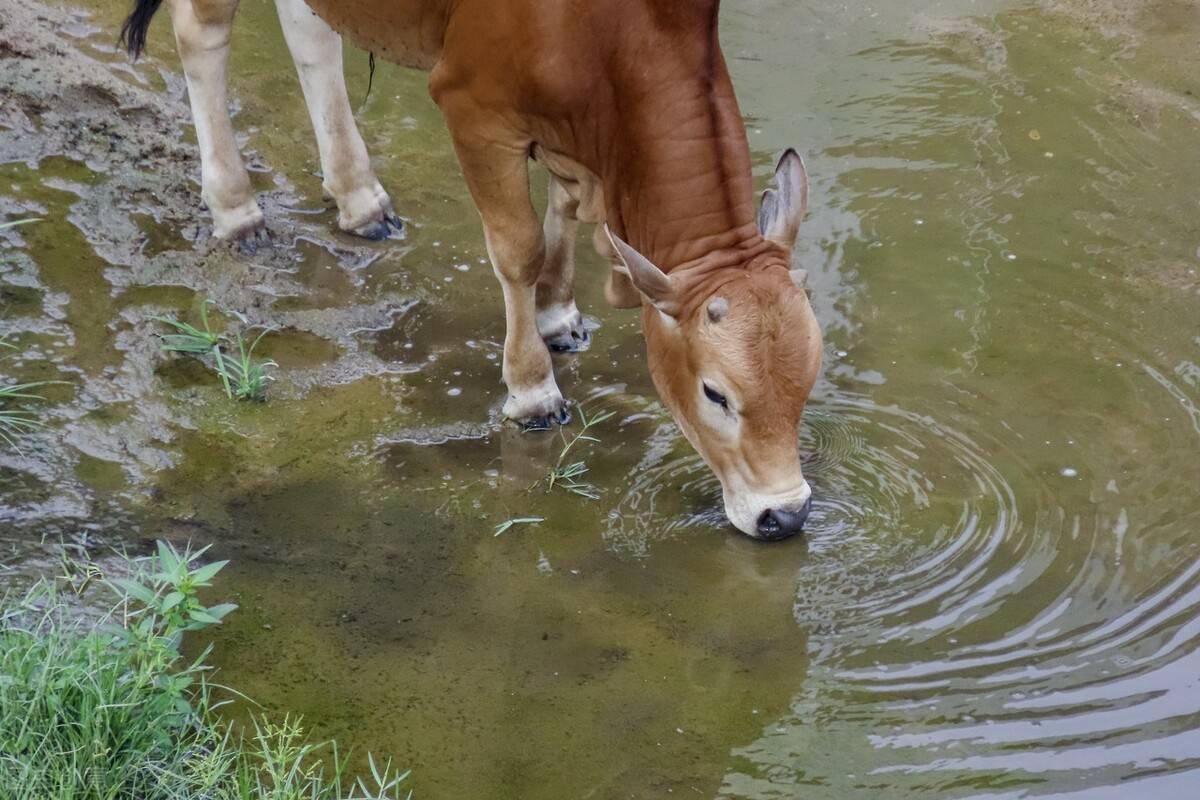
998 595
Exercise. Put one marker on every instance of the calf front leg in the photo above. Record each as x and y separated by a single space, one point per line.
498 177
558 319
364 208
202 32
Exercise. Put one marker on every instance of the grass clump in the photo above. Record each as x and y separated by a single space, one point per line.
248 377
241 375
188 338
16 421
110 709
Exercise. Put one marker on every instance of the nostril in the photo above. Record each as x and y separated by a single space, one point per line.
768 525
775 523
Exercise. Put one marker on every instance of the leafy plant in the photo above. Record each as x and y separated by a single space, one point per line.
241 376
168 594
247 376
109 707
190 339
167 605
289 766
566 475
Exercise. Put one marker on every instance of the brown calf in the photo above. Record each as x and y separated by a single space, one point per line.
629 106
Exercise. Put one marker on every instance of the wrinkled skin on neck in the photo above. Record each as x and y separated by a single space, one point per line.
762 356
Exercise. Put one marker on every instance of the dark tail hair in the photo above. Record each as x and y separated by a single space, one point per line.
133 32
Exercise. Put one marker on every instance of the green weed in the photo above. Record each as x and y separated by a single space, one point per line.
241 376
190 339
17 421
566 475
248 377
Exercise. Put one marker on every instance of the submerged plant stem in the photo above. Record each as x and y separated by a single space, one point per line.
565 475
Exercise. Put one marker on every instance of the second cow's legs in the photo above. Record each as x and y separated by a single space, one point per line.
202 31
364 208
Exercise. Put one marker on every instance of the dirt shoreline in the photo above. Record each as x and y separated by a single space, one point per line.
116 138
66 93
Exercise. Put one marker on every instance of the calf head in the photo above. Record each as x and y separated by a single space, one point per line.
734 356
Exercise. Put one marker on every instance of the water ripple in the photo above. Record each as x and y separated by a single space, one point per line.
958 646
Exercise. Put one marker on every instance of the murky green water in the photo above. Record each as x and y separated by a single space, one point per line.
999 595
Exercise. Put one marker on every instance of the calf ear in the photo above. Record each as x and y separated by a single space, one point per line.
654 284
783 208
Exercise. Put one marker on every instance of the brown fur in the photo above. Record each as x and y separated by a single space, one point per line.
628 103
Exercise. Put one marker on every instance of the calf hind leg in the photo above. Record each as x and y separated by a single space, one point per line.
202 32
558 320
364 208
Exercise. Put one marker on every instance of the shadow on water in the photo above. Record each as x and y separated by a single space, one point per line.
610 672
997 596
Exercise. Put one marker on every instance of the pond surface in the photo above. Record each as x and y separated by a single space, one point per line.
999 592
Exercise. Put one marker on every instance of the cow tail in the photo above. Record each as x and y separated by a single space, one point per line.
370 75
133 32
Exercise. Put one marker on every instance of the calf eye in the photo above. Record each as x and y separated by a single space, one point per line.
715 396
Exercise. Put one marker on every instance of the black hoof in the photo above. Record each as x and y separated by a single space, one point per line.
252 241
390 227
547 421
563 417
573 342
536 424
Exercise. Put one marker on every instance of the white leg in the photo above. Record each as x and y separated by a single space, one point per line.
558 320
364 208
202 31
514 244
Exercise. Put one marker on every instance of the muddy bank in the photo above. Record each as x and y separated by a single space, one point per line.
1125 19
104 149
